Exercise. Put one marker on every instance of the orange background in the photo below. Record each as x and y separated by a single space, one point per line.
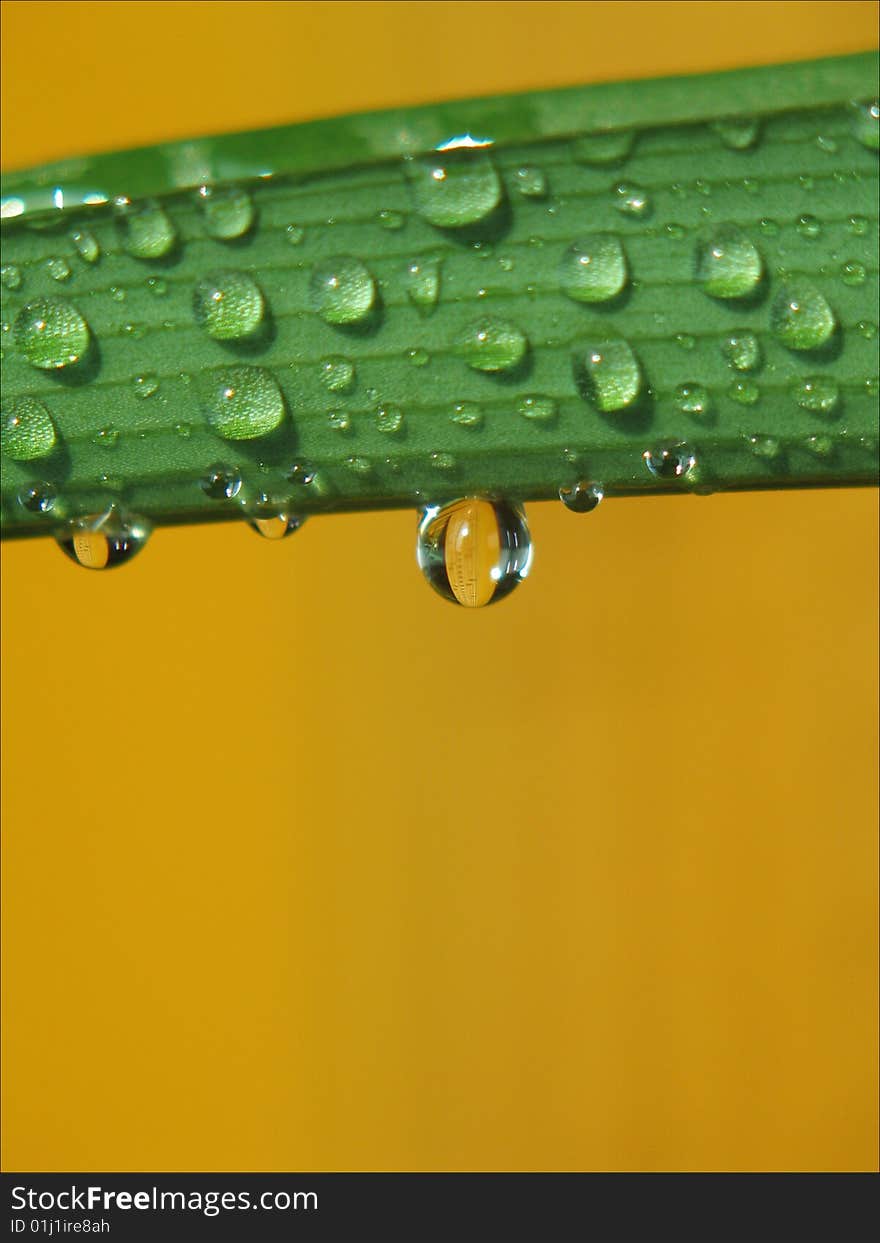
305 869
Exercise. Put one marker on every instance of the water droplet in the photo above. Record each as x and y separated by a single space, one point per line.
244 403
359 465
227 211
492 344
392 220
531 182
418 357
86 245
145 385
818 394
819 445
866 329
58 268
767 447
593 269
183 430
467 414
342 291
117 293
866 123
11 276
106 438
751 185
728 265
51 334
737 133
339 420
37 498
301 474
858 225
809 226
442 461
853 273
26 429
827 144
603 147
611 374
800 317
276 526
103 541
768 227
693 399
157 286
423 284
685 341
147 231
228 305
474 552
582 497
538 409
452 189
337 373
221 483
389 420
670 461
742 350
295 234
632 200
745 392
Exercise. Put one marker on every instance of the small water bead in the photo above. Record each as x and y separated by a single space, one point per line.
632 200
728 265
744 392
866 123
157 286
117 293
294 234
359 465
342 290
227 211
492 344
26 429
809 226
603 147
819 445
827 144
767 447
474 552
391 220
11 276
221 483
145 385
228 305
611 374
106 438
737 133
452 189
389 420
593 269
770 228
146 229
276 526
531 182
418 357
244 403
742 350
818 394
442 461
670 461
685 341
858 225
538 409
58 268
37 498
693 399
422 282
86 245
51 333
339 420
800 317
302 474
853 273
338 373
582 497
466 414
751 185
103 541
866 329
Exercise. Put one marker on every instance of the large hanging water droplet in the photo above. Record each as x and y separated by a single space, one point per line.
228 305
26 429
818 394
603 147
452 189
800 317
474 552
51 334
145 228
422 282
244 403
227 212
103 541
342 290
581 497
610 373
593 269
866 124
276 526
729 265
742 350
736 133
492 344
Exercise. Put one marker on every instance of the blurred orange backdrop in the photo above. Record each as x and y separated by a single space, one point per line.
305 869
